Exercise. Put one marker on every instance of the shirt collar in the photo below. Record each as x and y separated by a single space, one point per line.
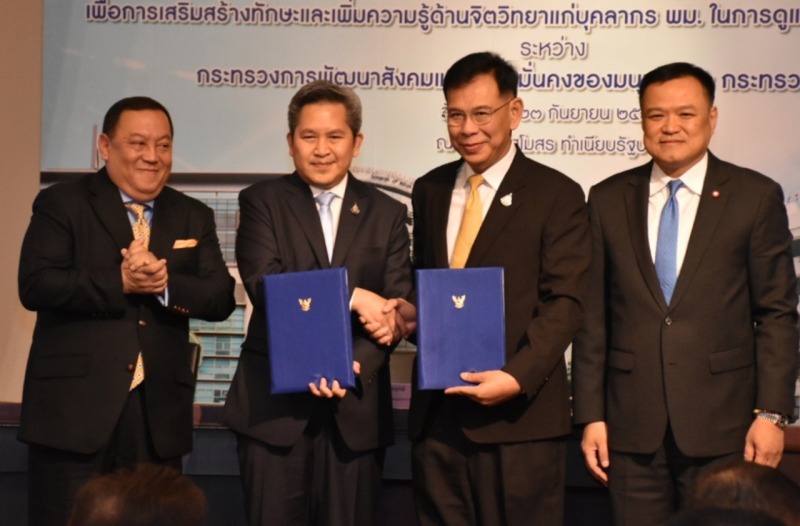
693 179
128 199
337 190
493 176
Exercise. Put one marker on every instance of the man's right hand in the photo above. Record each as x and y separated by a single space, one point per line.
142 272
405 314
378 321
595 450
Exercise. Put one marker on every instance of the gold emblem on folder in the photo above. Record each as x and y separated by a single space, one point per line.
458 301
305 305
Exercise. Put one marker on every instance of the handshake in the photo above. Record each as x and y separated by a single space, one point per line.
386 321
142 271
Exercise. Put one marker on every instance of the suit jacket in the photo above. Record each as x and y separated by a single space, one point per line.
280 231
88 333
542 242
726 344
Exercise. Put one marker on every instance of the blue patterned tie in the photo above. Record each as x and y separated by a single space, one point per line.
326 218
667 245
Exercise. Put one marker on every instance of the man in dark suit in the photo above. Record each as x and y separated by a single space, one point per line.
688 354
111 308
316 457
494 453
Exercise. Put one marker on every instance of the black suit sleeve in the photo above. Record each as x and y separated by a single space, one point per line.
773 298
397 280
257 249
206 290
589 349
562 281
49 279
396 283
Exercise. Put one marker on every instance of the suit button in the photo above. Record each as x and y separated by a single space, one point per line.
668 320
142 323
131 367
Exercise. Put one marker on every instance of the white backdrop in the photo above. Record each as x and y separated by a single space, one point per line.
227 69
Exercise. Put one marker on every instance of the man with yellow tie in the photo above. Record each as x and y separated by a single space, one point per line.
115 263
493 453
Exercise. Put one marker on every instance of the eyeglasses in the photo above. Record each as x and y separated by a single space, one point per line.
481 116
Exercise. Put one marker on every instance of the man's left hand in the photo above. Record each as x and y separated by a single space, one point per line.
334 389
764 443
142 271
327 391
492 387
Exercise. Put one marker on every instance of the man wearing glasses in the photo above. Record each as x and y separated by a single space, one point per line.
494 452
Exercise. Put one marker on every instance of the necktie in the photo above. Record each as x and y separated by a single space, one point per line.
470 224
326 218
667 244
141 229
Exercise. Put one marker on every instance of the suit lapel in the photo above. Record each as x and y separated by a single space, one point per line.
709 212
107 204
636 201
355 206
167 217
437 209
499 214
301 202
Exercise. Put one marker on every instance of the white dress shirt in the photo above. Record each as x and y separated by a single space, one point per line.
336 203
492 179
688 197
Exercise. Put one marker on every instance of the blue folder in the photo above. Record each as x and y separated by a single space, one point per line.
460 324
309 329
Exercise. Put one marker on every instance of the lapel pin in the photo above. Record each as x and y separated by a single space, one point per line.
715 194
506 200
355 210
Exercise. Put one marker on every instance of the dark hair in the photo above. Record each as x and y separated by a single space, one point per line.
114 113
722 517
469 67
146 495
678 70
325 91
747 485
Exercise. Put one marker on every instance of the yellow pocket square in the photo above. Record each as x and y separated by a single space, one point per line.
184 243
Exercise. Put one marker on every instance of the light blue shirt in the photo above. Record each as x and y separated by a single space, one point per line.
148 216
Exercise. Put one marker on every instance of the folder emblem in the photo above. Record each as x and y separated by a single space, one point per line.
453 337
305 304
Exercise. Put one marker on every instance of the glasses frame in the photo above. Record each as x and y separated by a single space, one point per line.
461 117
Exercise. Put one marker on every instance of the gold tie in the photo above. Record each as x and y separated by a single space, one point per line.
470 224
141 229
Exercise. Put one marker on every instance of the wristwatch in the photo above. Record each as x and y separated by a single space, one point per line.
779 419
